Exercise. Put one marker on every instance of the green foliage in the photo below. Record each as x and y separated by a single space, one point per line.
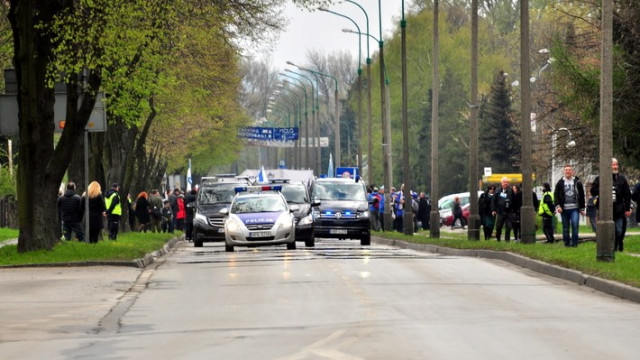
7 182
499 135
7 233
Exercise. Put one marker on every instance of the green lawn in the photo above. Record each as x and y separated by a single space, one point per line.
625 268
129 246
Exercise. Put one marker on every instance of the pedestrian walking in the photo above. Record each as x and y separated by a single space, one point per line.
155 204
621 196
114 210
70 209
501 208
592 211
570 203
143 211
546 209
97 211
486 217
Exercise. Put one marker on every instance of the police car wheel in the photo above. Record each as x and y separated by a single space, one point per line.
291 246
196 241
365 240
228 248
310 243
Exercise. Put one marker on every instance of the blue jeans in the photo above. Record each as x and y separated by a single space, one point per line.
570 217
620 224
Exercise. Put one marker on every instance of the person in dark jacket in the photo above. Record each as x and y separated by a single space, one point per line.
143 211
484 205
621 196
514 216
70 209
501 208
456 210
97 211
569 199
424 210
189 204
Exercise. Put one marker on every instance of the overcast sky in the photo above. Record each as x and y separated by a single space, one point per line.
322 31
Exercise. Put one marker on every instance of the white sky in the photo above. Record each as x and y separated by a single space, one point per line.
322 31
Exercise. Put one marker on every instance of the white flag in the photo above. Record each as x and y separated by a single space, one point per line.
189 179
262 176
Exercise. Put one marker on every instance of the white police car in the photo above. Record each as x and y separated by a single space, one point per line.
259 215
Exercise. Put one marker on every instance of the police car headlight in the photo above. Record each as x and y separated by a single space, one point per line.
307 220
283 222
200 218
234 225
364 214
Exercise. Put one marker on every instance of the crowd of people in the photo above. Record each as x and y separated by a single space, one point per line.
420 208
148 212
499 208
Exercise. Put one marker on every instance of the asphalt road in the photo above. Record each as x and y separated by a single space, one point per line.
337 301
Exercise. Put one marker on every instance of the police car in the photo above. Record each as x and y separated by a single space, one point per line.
259 215
340 209
297 193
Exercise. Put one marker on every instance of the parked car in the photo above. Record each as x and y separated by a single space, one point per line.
445 207
258 216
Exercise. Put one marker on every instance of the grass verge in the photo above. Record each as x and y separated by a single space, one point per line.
129 246
583 258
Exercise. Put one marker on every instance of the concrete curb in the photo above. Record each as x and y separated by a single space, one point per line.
141 263
617 289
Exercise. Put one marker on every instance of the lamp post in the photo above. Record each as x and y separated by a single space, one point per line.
359 94
369 109
386 128
435 213
306 117
369 114
527 213
473 232
407 216
313 116
605 234
297 106
337 109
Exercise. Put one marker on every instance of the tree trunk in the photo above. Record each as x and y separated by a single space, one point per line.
42 166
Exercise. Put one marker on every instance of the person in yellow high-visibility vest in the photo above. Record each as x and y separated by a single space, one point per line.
546 210
114 210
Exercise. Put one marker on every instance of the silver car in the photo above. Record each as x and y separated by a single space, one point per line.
259 215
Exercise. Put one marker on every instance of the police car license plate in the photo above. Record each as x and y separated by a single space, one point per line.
338 231
259 234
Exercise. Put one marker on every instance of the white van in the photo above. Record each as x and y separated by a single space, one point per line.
446 202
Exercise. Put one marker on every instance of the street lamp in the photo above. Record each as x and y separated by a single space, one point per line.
359 94
337 109
313 115
369 112
407 216
306 116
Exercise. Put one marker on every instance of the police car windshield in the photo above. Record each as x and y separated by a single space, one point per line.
221 193
258 204
339 191
295 193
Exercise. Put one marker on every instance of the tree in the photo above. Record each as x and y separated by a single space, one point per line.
498 136
47 40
